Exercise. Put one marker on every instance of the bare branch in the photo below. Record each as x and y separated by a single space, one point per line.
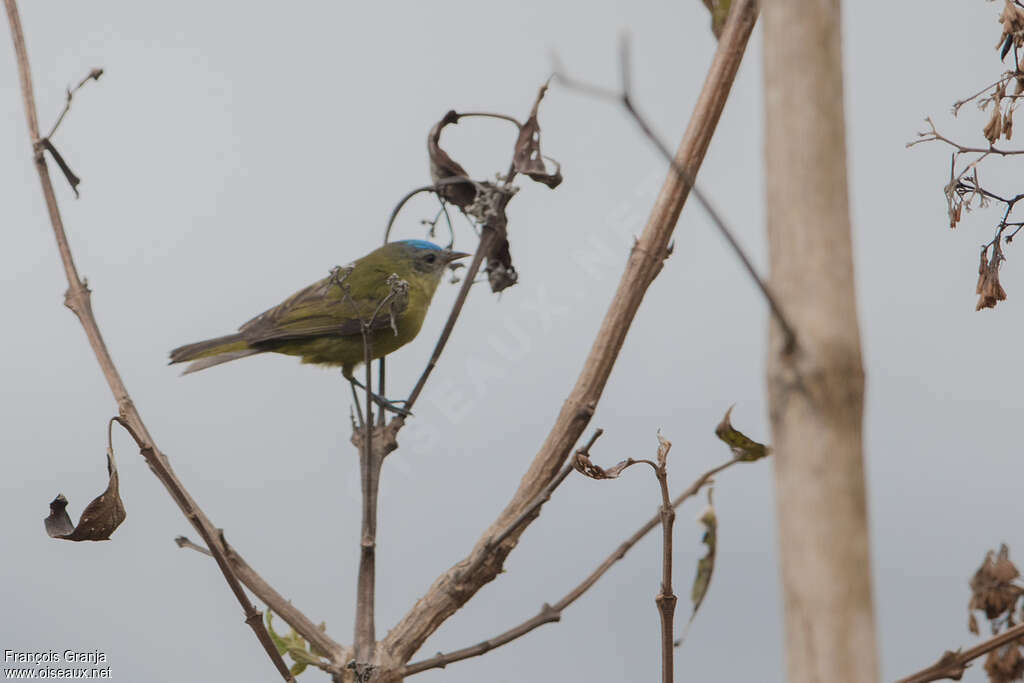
933 135
369 471
77 298
666 598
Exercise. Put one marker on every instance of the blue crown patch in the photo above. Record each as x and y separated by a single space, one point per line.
421 244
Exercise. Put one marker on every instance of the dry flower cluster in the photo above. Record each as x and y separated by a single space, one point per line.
965 189
994 592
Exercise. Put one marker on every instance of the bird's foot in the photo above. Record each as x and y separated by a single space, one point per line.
387 404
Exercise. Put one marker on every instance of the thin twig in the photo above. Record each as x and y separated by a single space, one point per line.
624 97
533 509
381 389
933 135
77 298
959 103
185 542
435 188
488 241
93 75
666 599
490 115
370 462
553 612
953 664
369 469
277 603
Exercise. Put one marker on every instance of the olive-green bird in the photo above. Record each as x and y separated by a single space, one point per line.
323 323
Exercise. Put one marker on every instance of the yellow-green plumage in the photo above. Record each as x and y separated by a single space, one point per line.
321 323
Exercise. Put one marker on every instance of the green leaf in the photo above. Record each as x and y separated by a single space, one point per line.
719 10
295 646
313 648
279 643
706 564
743 447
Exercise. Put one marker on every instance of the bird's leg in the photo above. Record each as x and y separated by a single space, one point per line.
355 400
384 403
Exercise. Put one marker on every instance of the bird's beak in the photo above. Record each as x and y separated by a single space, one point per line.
450 255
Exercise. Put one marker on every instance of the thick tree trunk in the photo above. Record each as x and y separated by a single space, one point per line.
816 393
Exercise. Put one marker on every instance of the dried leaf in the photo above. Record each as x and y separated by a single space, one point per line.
528 159
100 517
743 447
719 10
489 210
443 166
994 128
582 464
501 274
664 446
1005 664
992 589
989 291
1012 20
972 623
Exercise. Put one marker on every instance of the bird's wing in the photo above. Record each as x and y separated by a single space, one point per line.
322 309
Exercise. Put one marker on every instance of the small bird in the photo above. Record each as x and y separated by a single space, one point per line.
323 323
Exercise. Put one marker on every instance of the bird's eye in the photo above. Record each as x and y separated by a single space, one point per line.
430 258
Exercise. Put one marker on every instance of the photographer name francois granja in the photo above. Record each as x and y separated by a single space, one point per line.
54 656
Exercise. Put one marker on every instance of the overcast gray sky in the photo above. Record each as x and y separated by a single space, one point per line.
233 153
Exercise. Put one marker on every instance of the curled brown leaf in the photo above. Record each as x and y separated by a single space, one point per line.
443 167
527 158
582 464
100 517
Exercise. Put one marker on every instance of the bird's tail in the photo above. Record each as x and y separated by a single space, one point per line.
212 352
